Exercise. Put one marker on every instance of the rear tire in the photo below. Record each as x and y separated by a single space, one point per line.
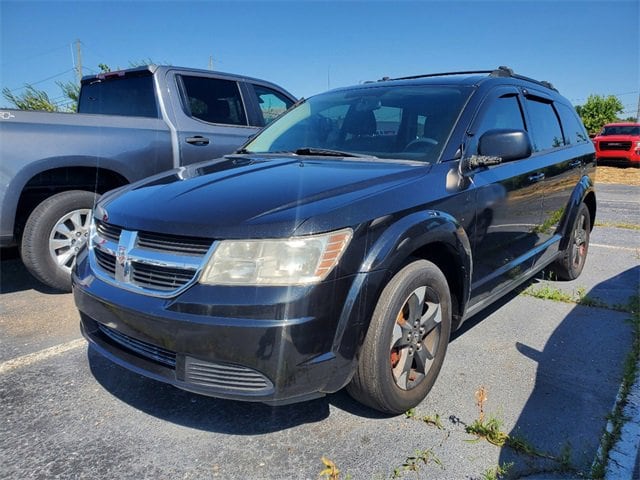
54 233
571 262
407 340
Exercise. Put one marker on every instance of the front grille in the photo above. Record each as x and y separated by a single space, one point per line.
144 349
149 263
615 145
225 376
159 278
174 244
109 232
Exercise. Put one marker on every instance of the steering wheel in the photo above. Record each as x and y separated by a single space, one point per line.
420 144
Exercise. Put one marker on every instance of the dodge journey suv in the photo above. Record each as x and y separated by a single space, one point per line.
342 245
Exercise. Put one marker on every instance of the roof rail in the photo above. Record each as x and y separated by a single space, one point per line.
501 71
466 72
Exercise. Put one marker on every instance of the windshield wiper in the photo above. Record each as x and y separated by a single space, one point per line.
324 152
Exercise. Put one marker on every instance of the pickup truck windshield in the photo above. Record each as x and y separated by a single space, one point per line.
128 95
407 123
621 130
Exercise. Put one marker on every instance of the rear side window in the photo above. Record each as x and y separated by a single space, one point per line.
213 100
545 127
131 96
574 131
272 103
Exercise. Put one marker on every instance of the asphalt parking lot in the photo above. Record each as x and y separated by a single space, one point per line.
551 371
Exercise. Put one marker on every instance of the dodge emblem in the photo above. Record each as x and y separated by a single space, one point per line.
122 255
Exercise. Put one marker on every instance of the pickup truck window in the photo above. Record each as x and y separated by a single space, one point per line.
544 125
213 100
272 103
131 96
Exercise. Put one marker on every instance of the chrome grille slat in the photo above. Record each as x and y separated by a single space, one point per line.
109 232
149 263
174 244
106 261
158 354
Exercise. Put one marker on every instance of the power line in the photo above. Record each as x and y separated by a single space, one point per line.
43 80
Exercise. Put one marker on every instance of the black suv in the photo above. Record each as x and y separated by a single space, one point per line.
343 244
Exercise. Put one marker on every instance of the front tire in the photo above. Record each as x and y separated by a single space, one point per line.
407 340
54 233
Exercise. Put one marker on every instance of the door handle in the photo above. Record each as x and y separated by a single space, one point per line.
198 140
536 178
575 163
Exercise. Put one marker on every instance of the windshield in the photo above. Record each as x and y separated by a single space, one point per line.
398 122
621 130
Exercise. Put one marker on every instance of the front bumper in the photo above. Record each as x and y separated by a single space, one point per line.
621 157
270 344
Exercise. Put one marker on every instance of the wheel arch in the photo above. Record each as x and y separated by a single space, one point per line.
46 183
430 235
584 192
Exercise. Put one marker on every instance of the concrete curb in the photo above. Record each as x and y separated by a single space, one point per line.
624 461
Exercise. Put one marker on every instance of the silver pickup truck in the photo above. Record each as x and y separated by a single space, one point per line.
130 124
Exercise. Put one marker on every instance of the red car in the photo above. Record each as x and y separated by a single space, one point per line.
619 143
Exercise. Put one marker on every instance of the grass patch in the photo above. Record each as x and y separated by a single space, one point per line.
578 296
630 372
626 226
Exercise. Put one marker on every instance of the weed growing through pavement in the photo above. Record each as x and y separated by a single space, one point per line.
497 472
490 429
434 419
330 471
413 462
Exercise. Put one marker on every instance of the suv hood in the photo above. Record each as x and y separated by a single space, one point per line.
251 197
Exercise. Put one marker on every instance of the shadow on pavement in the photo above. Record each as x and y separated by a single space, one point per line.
214 414
578 376
14 277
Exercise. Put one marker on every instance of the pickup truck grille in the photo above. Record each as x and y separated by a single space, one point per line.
149 263
604 145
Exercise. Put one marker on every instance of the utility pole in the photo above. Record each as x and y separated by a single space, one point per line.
210 62
79 62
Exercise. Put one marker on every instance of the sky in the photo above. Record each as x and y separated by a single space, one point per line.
582 47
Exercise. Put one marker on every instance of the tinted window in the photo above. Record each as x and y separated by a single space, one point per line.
503 112
544 125
132 96
409 122
272 103
621 130
214 100
574 131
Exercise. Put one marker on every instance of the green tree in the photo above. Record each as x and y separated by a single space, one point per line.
598 111
30 99
71 90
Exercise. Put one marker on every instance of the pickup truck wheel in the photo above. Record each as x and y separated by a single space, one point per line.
571 262
54 233
407 340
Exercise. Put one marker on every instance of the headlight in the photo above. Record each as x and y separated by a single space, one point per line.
286 261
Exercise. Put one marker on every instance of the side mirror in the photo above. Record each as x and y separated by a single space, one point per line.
505 144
